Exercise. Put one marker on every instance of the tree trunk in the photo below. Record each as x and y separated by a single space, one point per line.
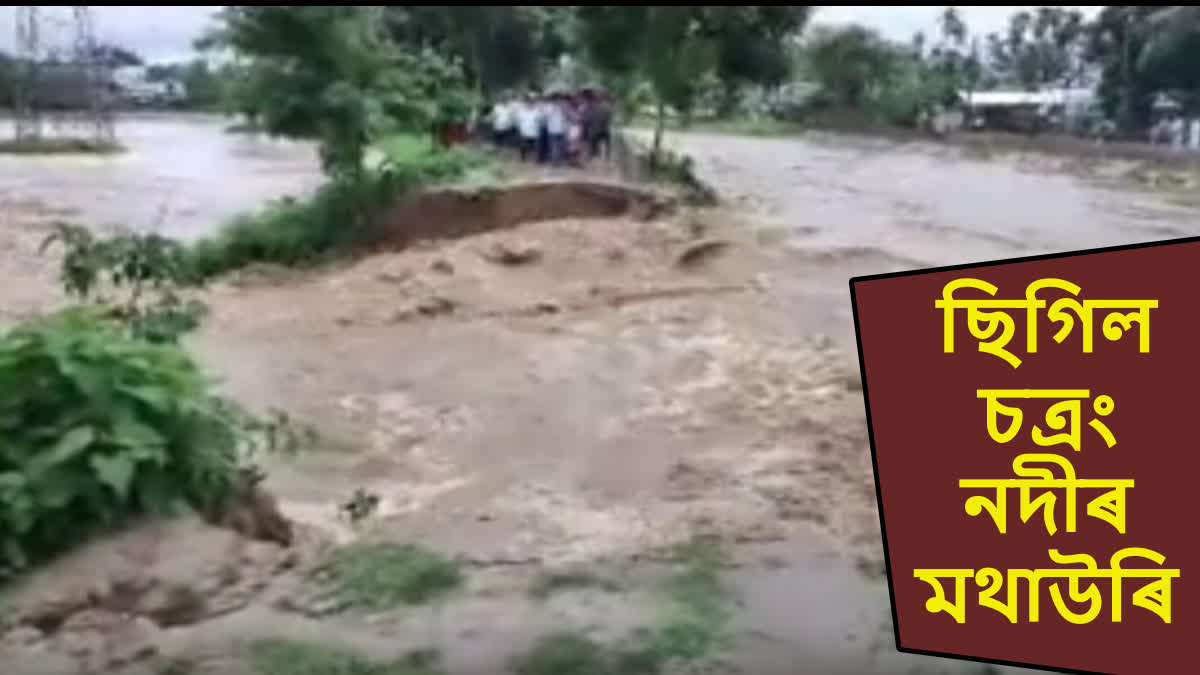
729 101
660 123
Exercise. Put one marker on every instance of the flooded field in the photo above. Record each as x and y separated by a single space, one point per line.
593 406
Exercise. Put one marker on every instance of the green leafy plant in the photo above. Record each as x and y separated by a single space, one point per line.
98 425
134 278
332 221
103 415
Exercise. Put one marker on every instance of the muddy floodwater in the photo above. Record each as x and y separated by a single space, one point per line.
592 406
180 175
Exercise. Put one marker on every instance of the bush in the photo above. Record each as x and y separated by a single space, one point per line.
286 232
295 232
132 278
98 425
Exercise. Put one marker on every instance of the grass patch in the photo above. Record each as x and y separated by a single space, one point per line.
698 606
332 220
419 161
60 146
566 652
284 657
378 576
549 583
286 232
178 666
694 625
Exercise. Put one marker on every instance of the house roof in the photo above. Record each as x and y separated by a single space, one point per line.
1024 98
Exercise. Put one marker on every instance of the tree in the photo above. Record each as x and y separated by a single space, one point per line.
1116 41
752 44
954 29
115 56
201 85
677 49
8 79
1042 48
162 72
664 44
326 71
500 46
1170 59
850 62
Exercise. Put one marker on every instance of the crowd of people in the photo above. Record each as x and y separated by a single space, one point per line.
555 128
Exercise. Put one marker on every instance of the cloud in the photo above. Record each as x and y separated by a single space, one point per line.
166 32
155 32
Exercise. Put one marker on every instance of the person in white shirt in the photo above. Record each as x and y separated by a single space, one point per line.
504 122
528 126
556 129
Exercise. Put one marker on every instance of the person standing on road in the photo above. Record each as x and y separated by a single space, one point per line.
528 127
597 124
556 128
504 122
543 112
574 108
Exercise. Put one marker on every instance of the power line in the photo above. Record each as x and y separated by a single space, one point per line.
77 90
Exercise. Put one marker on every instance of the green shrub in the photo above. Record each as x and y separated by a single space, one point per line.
291 231
98 425
134 279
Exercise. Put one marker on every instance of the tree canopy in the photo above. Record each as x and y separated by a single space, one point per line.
405 64
329 72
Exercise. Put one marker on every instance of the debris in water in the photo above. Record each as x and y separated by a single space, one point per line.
436 306
395 277
502 253
251 511
700 252
360 506
442 266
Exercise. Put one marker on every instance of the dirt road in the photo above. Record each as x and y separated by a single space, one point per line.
541 423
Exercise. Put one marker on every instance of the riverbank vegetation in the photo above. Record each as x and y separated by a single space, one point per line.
330 222
105 416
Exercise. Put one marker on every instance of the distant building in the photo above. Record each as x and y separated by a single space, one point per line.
65 86
134 87
1066 109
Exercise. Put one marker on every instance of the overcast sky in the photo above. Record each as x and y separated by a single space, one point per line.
166 33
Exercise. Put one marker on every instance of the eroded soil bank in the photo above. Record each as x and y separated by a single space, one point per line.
564 393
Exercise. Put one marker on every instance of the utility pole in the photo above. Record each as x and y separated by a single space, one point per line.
31 89
95 72
28 121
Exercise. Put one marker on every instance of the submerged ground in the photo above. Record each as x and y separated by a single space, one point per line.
592 407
